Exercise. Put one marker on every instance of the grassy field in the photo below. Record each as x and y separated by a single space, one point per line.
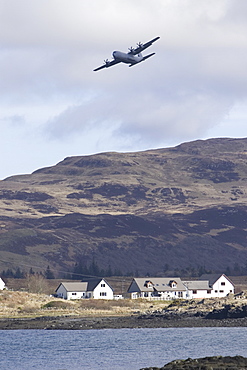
23 304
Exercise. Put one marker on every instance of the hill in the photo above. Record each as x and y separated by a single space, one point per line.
137 213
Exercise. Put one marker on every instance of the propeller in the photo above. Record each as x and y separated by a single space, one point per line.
139 44
106 61
131 49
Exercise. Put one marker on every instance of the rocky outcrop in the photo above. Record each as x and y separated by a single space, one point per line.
209 309
206 363
228 312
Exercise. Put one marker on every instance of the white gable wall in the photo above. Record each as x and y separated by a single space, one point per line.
2 284
102 291
222 287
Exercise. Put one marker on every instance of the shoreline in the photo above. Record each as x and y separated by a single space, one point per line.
114 322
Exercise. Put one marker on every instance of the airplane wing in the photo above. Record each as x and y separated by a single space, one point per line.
108 64
142 47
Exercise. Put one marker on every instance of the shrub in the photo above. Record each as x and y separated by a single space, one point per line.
57 305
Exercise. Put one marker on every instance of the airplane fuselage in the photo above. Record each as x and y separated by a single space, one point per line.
127 58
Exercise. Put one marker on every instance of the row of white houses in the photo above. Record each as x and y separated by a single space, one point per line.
156 288
174 288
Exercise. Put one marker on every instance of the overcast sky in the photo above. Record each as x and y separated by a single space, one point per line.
53 105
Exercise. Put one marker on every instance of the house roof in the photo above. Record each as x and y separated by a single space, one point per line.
74 286
197 284
212 278
82 286
93 282
151 284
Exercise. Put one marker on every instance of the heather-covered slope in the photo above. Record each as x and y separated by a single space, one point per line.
147 211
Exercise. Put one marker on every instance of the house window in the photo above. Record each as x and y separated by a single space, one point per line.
223 283
208 291
230 291
102 285
221 291
194 291
103 294
180 294
216 291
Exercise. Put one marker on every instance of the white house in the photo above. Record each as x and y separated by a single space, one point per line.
2 284
157 288
93 288
220 284
197 289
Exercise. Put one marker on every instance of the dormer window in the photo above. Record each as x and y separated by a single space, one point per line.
173 284
148 284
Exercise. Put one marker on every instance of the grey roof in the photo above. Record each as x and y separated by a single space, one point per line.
74 286
93 282
197 284
82 286
212 278
156 284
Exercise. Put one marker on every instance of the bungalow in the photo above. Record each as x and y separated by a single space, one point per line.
220 284
157 288
197 289
93 288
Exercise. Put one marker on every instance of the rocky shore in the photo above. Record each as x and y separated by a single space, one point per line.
206 363
215 312
144 321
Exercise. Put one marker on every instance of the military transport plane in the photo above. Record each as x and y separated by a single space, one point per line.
133 57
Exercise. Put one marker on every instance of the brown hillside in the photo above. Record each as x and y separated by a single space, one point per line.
135 212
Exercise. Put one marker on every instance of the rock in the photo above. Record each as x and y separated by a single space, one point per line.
206 363
228 312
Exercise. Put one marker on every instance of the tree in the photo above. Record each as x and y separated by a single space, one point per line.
8 274
19 274
49 274
37 284
31 272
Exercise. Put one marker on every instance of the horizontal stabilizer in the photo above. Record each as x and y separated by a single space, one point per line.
147 56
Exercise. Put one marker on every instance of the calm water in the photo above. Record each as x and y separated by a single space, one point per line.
125 349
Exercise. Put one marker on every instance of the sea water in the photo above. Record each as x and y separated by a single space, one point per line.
115 349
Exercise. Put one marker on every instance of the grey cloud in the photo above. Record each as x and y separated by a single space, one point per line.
49 49
14 121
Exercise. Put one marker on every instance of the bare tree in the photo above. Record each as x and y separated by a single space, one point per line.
37 284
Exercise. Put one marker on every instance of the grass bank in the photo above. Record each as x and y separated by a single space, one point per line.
17 304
